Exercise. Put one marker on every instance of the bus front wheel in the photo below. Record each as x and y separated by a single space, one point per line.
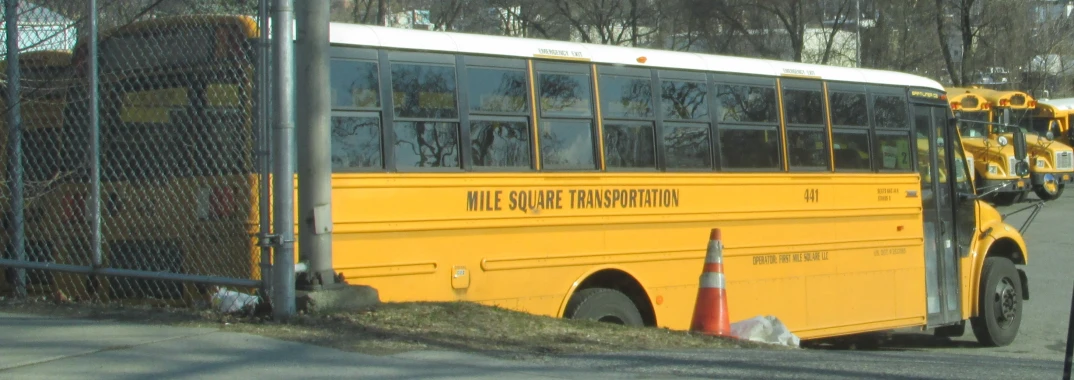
604 305
999 303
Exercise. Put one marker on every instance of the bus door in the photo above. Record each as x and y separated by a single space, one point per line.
935 164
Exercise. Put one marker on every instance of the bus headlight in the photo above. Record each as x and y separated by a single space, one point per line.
1002 140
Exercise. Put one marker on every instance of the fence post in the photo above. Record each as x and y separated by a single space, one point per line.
95 144
1070 341
264 147
283 302
14 123
314 145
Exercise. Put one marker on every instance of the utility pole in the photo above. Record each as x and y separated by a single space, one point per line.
283 272
314 146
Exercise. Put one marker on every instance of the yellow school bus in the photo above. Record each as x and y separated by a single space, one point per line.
1050 121
581 181
44 79
989 142
1051 162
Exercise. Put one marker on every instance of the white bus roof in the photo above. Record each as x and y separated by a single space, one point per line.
451 42
1065 104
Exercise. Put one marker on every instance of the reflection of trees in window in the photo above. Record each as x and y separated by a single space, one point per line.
749 148
355 84
803 107
565 94
739 103
498 90
500 143
849 109
567 144
424 91
355 143
626 97
425 144
629 145
687 146
685 100
890 112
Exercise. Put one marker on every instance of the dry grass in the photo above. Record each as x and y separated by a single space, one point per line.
398 327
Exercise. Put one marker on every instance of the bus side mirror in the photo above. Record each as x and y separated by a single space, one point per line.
1022 167
1053 129
952 122
1019 144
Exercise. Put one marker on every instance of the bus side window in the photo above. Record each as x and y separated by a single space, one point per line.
686 134
807 137
748 127
500 134
850 131
565 93
629 119
426 124
356 136
892 127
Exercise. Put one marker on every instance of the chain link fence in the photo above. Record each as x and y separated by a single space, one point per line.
140 179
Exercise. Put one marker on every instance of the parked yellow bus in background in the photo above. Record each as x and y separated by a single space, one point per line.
44 79
176 157
1051 119
1051 162
994 161
581 181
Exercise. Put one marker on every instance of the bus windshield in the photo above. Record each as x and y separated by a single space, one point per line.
972 129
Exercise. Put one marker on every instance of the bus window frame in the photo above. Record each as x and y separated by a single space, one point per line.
799 84
655 105
387 59
468 61
671 75
717 79
902 92
356 54
867 129
541 66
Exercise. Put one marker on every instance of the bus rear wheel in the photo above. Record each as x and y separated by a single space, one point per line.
999 302
604 305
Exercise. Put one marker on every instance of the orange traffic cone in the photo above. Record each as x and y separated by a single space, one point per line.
710 311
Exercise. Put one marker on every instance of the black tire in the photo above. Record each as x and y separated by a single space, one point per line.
1045 195
1000 303
604 305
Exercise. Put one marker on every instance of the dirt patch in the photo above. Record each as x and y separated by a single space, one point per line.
399 327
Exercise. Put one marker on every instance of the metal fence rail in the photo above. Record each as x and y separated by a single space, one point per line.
134 156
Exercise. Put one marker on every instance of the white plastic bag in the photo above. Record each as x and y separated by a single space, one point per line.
230 301
765 329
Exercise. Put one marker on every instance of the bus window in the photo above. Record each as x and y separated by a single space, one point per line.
687 139
500 134
628 142
749 127
566 131
425 93
850 131
807 139
973 129
356 136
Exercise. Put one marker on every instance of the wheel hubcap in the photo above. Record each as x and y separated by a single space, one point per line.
1006 303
